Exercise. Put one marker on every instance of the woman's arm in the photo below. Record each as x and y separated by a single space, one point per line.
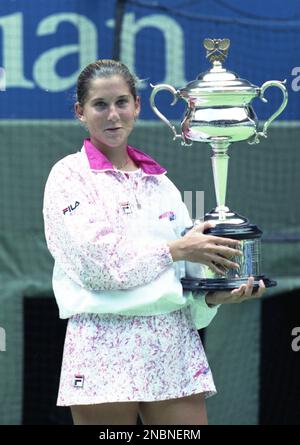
87 246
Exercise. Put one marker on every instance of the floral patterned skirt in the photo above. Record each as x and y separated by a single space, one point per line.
118 358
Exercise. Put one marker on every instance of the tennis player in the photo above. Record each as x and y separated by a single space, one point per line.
113 223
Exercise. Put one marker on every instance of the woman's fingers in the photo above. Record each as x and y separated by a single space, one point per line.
242 293
200 227
249 287
224 262
239 292
246 290
215 267
226 251
261 289
229 242
257 293
220 265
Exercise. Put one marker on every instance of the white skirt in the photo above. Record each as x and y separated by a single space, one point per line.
117 358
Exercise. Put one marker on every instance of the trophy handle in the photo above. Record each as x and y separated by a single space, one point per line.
156 89
280 85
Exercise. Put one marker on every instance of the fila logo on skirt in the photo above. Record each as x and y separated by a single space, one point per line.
78 381
126 207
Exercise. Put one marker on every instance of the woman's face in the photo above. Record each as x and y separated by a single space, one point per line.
109 112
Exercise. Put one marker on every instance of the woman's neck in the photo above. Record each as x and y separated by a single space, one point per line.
118 157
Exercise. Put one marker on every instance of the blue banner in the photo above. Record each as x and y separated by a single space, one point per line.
45 44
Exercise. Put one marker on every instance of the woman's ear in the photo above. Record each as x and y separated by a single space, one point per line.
137 107
79 112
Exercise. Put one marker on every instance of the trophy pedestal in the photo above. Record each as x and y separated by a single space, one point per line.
202 278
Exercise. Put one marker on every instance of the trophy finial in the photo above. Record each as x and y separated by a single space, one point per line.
216 49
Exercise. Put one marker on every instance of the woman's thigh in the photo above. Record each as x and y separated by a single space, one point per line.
121 413
190 410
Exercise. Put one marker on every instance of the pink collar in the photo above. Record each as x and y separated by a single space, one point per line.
98 161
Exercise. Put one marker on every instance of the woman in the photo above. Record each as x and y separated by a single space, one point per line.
113 222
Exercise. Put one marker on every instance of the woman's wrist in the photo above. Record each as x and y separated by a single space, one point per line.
209 299
176 249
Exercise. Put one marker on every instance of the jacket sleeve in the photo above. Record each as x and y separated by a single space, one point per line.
202 314
81 239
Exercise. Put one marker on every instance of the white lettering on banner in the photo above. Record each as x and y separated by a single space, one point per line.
44 68
12 61
296 81
2 340
174 44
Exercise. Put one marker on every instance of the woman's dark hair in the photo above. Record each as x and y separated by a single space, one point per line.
103 68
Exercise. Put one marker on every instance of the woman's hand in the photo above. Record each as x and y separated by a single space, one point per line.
213 251
243 293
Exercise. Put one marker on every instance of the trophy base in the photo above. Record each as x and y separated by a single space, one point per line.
218 284
203 278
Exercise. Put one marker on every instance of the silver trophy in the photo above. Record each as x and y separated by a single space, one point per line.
219 112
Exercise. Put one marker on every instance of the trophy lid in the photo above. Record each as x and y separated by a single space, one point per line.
218 79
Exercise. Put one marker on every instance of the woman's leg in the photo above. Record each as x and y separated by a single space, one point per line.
121 413
190 410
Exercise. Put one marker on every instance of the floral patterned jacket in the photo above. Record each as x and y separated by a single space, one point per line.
108 231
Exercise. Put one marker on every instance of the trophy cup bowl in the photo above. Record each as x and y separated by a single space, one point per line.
219 112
